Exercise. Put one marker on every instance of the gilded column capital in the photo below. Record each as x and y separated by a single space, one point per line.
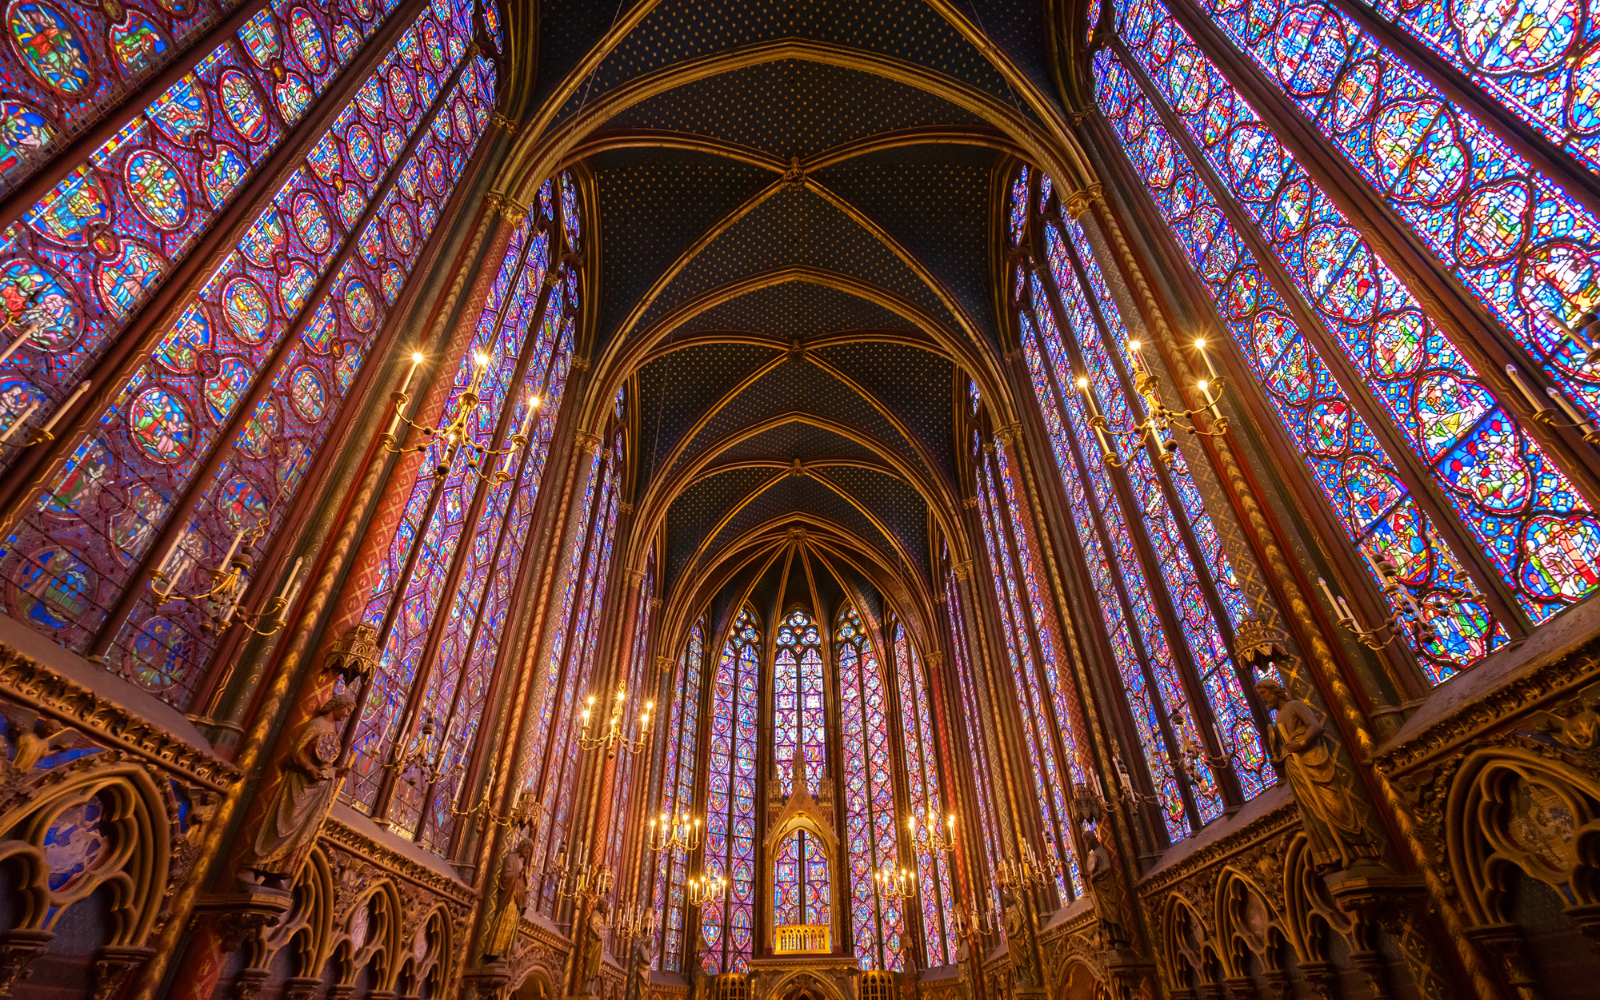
1079 202
627 508
963 569
589 442
503 123
655 604
580 363
971 503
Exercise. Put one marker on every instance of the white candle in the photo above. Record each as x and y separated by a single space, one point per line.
1539 406
289 582
1200 345
1377 570
11 348
77 394
1099 790
527 418
1572 414
21 419
1344 609
238 537
416 359
1328 594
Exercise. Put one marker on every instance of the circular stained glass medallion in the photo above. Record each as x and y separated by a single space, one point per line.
23 132
358 305
463 121
401 230
310 398
363 151
47 42
308 40
245 305
311 221
370 100
136 43
400 90
222 174
257 435
156 189
242 105
435 169
433 43
294 96
34 300
161 654
224 391
77 207
124 277
243 505
159 425
52 589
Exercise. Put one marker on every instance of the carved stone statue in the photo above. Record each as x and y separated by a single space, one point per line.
964 957
1102 878
699 974
594 936
510 902
643 956
1333 818
307 783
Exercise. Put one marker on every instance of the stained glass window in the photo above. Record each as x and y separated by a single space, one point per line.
878 923
730 840
1020 624
518 353
799 719
939 906
682 738
981 790
1376 393
210 439
1513 236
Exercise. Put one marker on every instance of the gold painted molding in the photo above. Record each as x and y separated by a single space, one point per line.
38 686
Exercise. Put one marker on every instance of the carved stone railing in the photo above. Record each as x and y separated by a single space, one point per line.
802 939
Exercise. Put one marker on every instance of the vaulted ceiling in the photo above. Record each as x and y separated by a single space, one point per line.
797 219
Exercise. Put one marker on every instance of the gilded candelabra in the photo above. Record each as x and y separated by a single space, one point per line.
457 434
673 835
423 754
1160 420
229 580
705 889
895 884
930 840
613 738
1410 614
581 880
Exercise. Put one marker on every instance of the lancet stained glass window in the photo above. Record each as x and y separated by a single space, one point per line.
939 905
878 923
801 888
1372 386
730 841
972 726
677 800
210 438
518 353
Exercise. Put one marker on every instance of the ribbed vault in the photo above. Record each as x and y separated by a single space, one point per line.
797 207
